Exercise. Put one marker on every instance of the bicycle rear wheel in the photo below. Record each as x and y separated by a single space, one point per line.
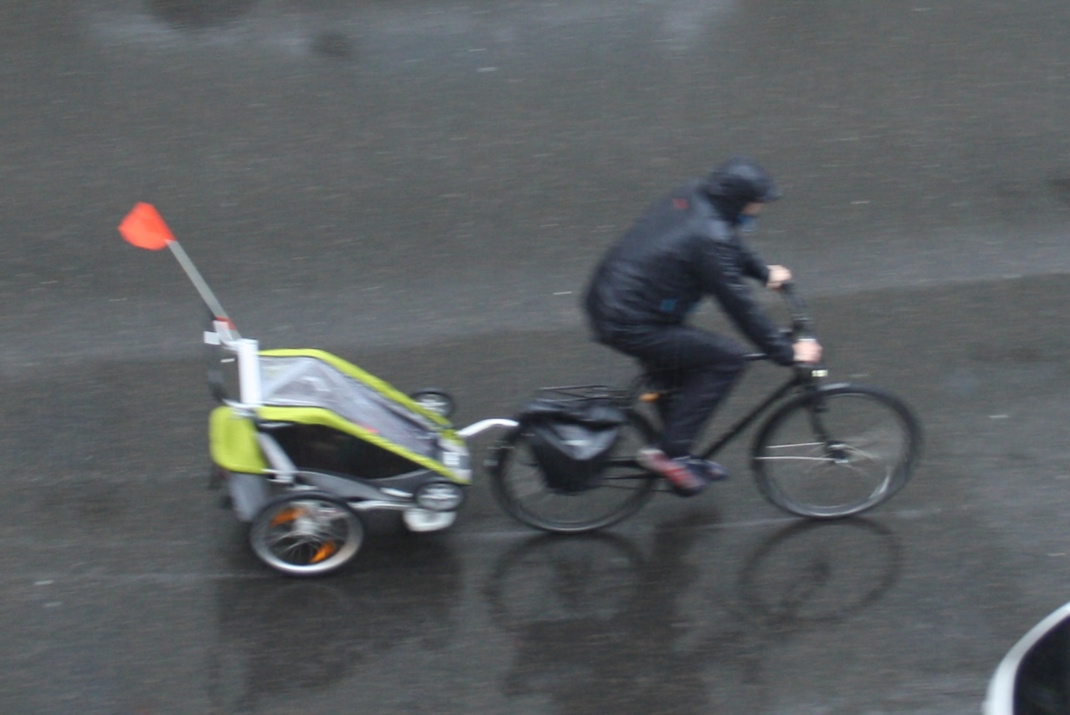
836 452
522 490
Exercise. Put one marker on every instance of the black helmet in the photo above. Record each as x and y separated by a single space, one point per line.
738 182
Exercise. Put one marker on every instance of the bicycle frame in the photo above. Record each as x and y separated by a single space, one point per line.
803 377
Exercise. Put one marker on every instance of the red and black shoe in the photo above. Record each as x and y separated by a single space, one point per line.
684 478
712 471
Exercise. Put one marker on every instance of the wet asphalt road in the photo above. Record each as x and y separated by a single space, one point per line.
422 188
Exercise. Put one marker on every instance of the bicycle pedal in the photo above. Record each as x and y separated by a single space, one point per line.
649 397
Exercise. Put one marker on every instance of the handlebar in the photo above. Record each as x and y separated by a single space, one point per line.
801 323
801 327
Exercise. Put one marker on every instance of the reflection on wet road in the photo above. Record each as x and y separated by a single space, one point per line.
597 623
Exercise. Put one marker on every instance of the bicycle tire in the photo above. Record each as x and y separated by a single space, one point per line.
853 452
521 488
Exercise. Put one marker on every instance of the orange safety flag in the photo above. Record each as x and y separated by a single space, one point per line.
145 228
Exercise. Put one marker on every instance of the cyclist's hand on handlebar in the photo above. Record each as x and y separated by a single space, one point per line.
807 351
778 276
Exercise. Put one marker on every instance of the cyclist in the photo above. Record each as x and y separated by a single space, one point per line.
687 246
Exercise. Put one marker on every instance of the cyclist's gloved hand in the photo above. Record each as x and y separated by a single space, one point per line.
778 276
807 350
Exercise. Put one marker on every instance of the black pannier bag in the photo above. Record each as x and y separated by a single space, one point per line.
571 439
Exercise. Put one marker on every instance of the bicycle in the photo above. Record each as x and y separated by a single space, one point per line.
827 451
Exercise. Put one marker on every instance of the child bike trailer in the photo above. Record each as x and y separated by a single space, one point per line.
307 442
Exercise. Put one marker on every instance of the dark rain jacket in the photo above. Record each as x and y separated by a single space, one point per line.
681 250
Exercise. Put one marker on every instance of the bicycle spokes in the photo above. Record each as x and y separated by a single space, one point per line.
836 455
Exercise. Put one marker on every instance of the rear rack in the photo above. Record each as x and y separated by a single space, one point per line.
585 392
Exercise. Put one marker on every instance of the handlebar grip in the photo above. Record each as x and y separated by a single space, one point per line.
800 314
791 296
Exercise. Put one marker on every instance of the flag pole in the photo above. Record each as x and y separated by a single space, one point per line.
198 281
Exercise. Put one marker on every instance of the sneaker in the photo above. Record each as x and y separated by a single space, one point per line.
711 471
684 479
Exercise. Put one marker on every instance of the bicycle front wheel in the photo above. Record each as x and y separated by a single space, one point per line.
622 488
836 452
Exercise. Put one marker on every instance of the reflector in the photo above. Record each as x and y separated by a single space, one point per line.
325 551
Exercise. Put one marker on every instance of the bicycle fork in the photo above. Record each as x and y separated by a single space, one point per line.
835 451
